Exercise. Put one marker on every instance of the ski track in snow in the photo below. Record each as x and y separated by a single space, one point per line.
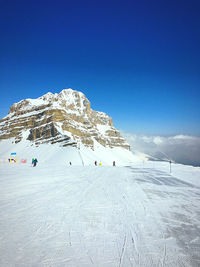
97 216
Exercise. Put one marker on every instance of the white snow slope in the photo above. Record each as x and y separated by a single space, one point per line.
102 216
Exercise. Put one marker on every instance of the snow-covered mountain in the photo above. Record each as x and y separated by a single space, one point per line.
65 118
58 214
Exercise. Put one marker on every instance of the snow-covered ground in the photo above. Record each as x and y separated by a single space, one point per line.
133 215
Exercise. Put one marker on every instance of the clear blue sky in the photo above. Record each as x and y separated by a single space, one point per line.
138 61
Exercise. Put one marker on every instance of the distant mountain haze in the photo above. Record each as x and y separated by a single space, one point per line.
180 148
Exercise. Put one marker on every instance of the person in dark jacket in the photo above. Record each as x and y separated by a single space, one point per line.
35 162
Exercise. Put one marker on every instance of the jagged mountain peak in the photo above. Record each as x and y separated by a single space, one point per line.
66 117
48 96
66 94
67 98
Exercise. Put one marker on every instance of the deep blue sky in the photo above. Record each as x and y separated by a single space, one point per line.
138 61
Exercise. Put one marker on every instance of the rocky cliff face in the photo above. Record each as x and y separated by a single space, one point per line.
66 117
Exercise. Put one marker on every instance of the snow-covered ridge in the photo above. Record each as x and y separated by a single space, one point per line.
72 110
67 97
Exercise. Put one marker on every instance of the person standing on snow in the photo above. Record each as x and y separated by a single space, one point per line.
35 162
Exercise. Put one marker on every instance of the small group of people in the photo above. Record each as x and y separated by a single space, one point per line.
34 162
95 163
12 160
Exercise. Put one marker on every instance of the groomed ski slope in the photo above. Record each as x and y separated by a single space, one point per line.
102 216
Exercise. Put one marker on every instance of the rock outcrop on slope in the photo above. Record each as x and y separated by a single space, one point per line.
66 118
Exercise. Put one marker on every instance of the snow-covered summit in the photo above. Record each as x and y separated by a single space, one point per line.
66 118
66 98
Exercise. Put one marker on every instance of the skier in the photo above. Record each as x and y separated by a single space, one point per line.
95 163
35 162
113 163
70 163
